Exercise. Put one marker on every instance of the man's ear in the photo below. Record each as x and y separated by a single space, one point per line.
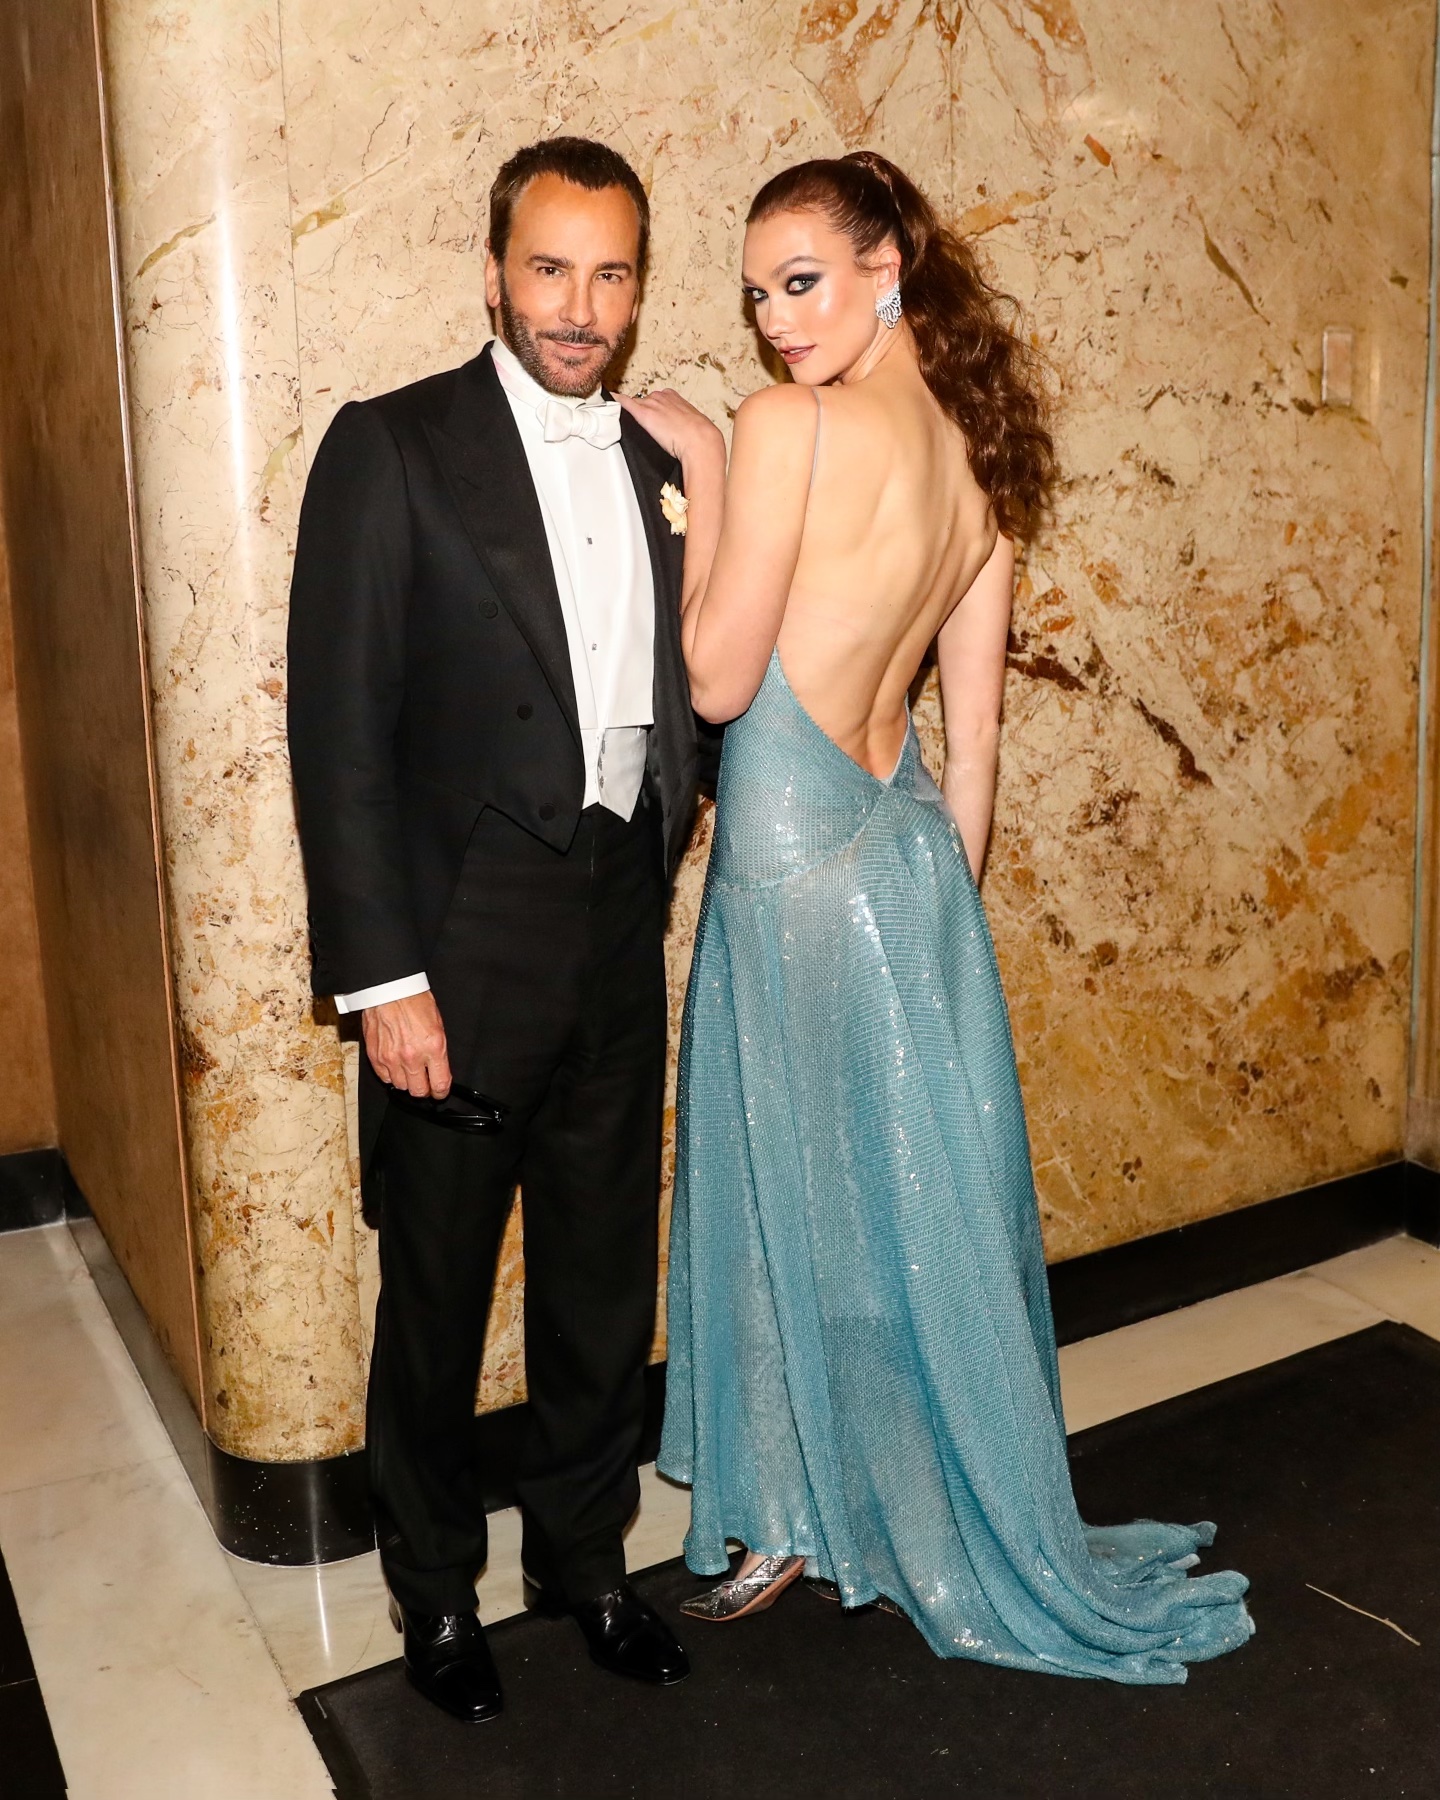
492 278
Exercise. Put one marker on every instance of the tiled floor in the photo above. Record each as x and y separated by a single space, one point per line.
153 1668
167 1666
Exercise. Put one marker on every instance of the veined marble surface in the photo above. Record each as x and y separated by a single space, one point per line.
1200 880
157 1679
202 208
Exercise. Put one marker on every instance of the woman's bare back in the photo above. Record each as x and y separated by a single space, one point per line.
896 530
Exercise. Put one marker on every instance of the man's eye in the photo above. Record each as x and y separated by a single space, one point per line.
800 284
549 269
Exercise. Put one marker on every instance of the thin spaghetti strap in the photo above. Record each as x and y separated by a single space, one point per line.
819 415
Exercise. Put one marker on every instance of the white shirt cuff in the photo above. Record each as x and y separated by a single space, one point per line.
386 990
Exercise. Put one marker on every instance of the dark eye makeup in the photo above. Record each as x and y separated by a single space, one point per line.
794 284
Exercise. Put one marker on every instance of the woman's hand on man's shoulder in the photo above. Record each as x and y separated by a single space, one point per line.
674 423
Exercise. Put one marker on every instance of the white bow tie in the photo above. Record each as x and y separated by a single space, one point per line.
596 421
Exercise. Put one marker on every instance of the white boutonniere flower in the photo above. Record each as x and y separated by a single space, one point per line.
674 505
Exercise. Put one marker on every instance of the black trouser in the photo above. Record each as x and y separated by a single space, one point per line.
549 975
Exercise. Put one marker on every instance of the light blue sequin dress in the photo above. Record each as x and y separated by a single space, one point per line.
862 1361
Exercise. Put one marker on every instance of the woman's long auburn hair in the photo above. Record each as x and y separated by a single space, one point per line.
984 374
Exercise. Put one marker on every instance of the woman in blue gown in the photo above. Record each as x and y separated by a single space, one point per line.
862 1368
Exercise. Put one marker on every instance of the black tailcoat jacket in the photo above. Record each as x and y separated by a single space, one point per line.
429 671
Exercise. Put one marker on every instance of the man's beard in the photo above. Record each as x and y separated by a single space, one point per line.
526 347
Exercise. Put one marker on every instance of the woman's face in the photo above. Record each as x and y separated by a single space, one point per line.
812 300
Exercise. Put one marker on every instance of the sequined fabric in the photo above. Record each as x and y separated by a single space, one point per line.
862 1363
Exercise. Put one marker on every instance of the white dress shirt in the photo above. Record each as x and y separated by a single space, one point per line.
601 560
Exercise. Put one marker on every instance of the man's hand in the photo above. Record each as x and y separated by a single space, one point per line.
405 1041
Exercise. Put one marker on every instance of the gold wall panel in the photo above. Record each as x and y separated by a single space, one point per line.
79 669
1200 881
27 1092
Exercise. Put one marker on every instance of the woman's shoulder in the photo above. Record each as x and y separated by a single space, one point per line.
786 407
775 429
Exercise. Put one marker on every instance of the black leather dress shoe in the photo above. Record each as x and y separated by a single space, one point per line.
624 1635
448 1661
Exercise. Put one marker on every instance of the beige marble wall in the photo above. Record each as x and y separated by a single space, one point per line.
1201 879
1200 882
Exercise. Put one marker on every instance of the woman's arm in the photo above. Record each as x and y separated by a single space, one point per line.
743 535
971 654
732 619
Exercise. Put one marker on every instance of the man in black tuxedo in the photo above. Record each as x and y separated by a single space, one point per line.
494 761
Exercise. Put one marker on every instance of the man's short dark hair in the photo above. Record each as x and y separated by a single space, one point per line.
578 160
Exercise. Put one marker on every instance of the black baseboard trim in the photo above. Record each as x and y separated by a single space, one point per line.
37 1188
1422 1203
1152 1275
295 1513
303 1513
291 1513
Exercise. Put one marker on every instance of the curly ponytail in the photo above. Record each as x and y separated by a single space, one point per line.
984 374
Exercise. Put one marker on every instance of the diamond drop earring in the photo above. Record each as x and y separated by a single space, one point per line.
887 307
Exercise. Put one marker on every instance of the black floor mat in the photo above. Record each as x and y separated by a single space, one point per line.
1323 1469
29 1764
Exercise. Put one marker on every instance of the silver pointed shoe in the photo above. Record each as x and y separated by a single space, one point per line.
746 1594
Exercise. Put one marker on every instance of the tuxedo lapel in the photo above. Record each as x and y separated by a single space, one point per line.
485 467
650 468
648 476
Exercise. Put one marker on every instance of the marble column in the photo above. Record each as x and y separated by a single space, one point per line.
202 206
